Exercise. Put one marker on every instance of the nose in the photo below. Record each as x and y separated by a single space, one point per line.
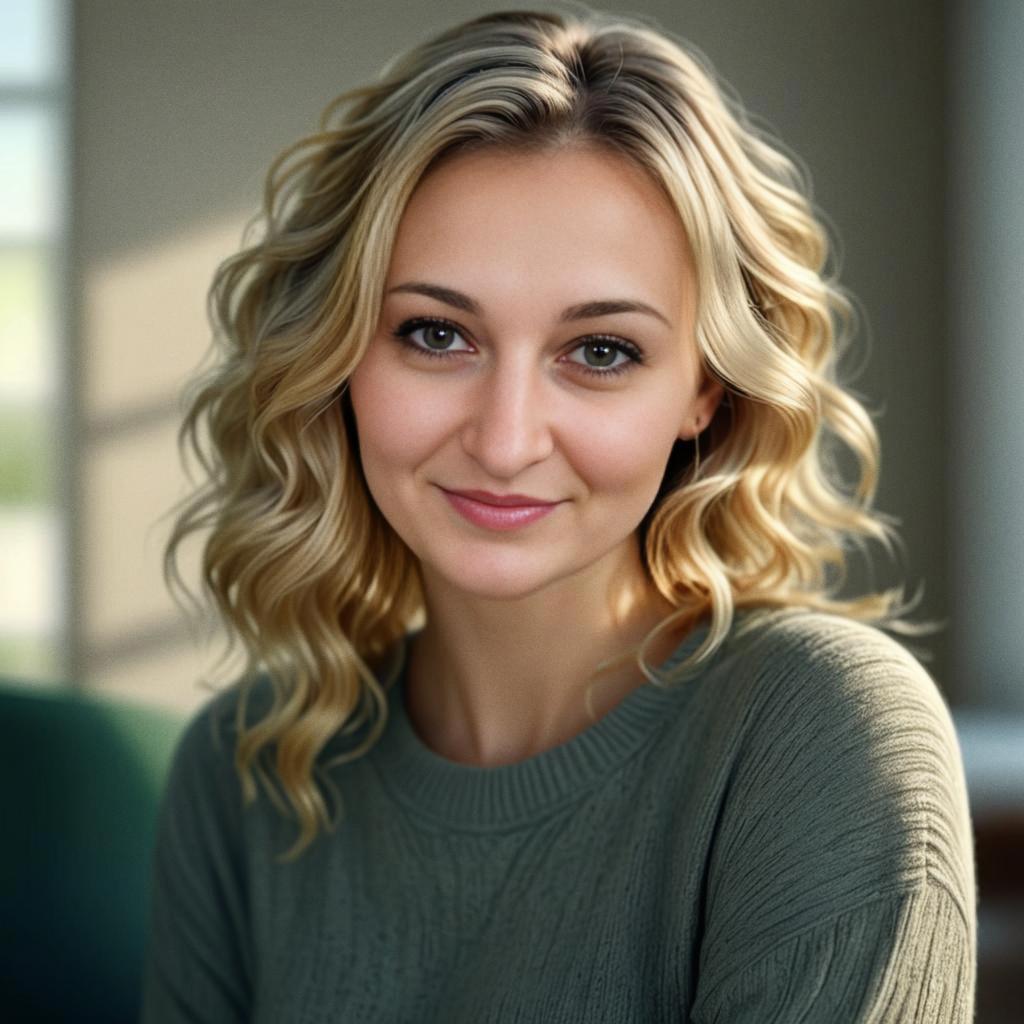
507 427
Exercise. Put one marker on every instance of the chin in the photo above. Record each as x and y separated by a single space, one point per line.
492 580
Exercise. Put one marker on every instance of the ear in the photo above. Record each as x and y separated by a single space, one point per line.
703 408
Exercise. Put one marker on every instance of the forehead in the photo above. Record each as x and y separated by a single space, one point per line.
574 219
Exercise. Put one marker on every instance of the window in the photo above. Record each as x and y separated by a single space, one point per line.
33 132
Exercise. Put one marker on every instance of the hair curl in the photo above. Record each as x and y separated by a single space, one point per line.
299 563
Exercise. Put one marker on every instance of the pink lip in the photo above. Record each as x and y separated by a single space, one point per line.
505 500
516 509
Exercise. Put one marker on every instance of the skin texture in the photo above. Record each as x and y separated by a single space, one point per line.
518 621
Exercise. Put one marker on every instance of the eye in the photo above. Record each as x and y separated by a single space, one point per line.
438 336
604 352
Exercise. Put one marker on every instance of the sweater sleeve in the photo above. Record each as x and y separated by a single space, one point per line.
840 885
196 966
899 958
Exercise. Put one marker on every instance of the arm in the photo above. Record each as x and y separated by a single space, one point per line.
841 882
197 967
901 958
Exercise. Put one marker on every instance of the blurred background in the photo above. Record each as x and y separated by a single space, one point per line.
134 136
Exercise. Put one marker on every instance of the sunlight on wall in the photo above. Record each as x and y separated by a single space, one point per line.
144 333
145 319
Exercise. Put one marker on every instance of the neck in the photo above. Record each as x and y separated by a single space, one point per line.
494 682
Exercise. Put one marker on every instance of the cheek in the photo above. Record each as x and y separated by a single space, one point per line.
398 421
623 453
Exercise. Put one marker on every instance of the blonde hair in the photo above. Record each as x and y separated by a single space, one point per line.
301 566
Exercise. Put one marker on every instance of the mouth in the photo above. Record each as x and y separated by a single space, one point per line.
503 500
515 511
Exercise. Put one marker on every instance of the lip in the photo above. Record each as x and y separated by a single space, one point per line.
498 517
503 500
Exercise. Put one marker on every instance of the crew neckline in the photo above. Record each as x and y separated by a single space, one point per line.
476 797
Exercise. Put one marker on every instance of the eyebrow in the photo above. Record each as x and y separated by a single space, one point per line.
581 311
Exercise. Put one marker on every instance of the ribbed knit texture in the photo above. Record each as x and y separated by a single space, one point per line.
782 837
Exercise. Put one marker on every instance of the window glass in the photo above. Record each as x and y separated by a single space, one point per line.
28 52
27 455
28 171
27 349
32 521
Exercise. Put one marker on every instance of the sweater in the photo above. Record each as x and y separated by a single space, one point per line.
782 836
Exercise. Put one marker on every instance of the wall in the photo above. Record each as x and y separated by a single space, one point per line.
986 259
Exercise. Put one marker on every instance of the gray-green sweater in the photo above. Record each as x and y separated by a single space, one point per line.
783 837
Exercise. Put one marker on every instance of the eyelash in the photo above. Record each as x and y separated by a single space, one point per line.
403 331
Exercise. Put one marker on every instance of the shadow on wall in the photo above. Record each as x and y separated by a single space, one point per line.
82 780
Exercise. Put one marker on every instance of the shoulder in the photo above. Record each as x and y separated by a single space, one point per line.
837 668
843 784
845 734
794 638
209 739
836 686
202 774
210 734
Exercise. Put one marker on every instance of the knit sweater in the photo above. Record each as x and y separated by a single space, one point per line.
783 836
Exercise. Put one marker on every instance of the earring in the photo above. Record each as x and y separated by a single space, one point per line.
696 449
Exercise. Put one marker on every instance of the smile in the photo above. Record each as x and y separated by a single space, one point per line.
497 517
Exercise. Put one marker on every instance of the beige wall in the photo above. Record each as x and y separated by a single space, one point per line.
180 106
143 328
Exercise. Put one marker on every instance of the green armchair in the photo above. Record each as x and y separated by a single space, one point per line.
82 780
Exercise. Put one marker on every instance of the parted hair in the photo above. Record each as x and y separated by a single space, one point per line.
298 563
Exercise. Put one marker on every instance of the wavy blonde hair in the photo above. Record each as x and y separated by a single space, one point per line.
301 566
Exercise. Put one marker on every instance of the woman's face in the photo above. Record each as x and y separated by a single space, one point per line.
505 362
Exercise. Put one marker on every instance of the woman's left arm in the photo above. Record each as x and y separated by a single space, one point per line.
841 886
899 958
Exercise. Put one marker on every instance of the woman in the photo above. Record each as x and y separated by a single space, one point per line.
523 510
